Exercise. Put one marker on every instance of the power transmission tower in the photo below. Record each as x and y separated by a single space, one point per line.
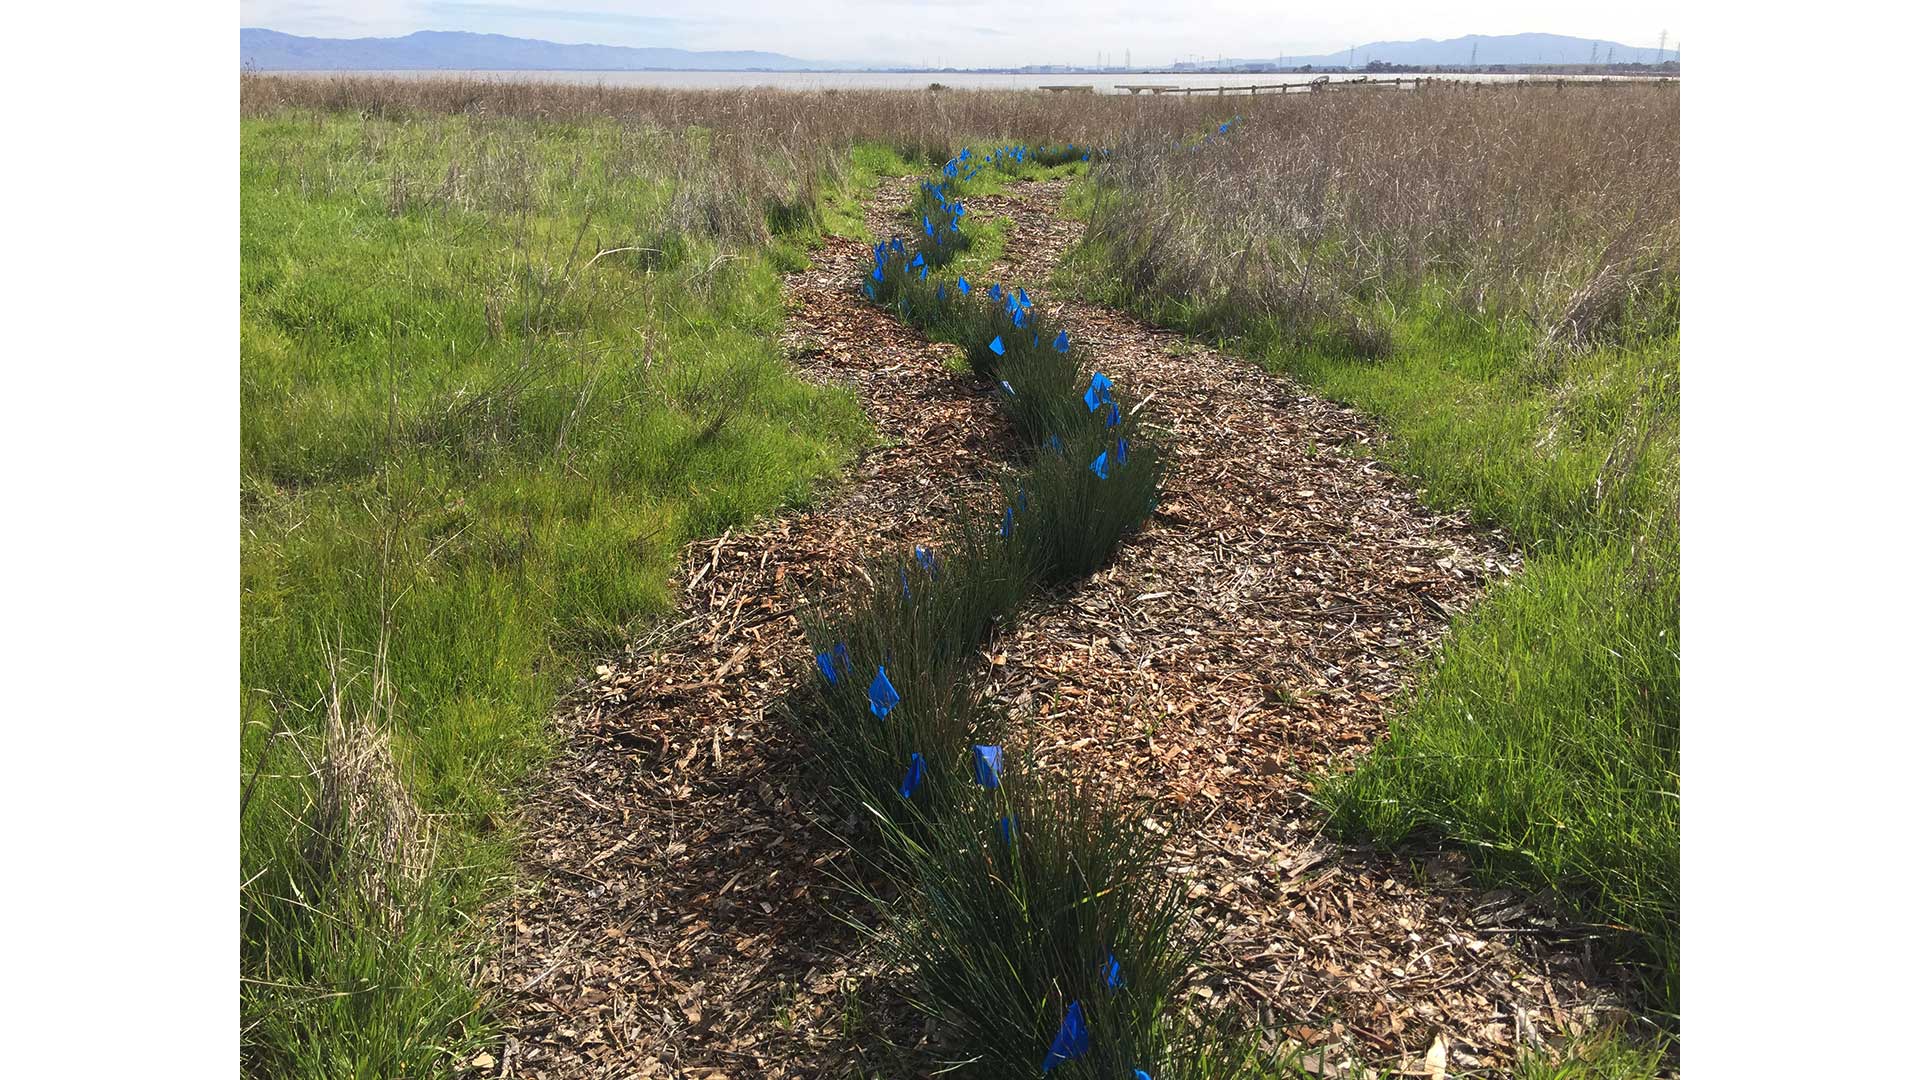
1474 62
1350 49
1593 56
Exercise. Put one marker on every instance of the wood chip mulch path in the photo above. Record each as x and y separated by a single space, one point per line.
679 913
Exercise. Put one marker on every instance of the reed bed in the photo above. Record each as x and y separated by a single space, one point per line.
1333 215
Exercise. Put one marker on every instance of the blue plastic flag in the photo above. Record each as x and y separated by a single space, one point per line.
1020 318
825 662
869 288
1104 385
963 286
1008 387
1092 398
1024 302
959 212
925 559
1099 465
918 258
994 293
1112 970
999 347
940 292
1223 129
878 271
1123 451
899 246
1054 444
923 273
881 696
1022 500
927 224
986 765
1008 827
1070 1042
916 775
1113 416
1006 531
1060 343
841 660
1036 341
1141 1074
905 593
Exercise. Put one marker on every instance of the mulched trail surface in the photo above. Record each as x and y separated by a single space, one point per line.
680 912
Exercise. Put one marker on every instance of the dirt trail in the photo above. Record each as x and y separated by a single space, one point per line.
678 914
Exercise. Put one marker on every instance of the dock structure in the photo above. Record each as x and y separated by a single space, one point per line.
1327 83
1076 88
1321 83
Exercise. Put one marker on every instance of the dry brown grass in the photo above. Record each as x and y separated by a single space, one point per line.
1558 207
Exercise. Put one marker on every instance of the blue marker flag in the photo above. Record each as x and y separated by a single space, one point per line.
994 292
959 211
916 775
963 286
1006 530
840 658
1009 826
1099 465
1054 444
905 593
925 558
1008 387
999 347
1113 416
1123 451
1022 500
940 291
1141 1074
1103 385
927 224
919 259
923 273
1020 317
1092 398
878 271
1060 343
881 696
869 287
1112 970
986 765
825 662
1070 1042
1024 302
899 246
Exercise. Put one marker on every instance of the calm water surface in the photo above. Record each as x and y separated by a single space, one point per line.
887 80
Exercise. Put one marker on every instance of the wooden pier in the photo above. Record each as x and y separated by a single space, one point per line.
1326 82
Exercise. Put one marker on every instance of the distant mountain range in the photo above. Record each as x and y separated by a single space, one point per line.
1478 49
270 50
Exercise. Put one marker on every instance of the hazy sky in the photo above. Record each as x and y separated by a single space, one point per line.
974 33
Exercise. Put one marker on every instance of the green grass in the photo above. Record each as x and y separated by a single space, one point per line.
459 437
1544 738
